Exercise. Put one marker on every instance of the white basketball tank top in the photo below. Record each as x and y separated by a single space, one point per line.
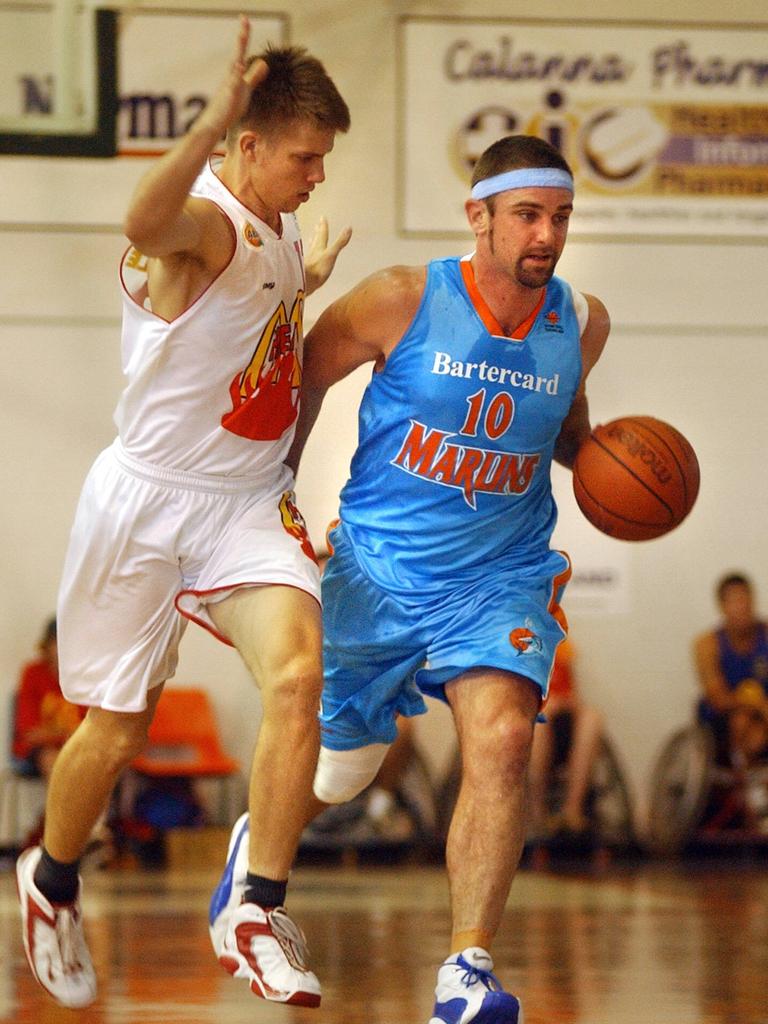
216 390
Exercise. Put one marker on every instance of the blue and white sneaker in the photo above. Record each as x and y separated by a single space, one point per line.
467 990
228 894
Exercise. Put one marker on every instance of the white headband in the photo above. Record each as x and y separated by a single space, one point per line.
523 177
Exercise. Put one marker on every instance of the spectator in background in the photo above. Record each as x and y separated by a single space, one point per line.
732 665
44 719
586 728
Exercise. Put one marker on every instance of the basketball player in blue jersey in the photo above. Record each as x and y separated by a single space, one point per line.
442 580
732 665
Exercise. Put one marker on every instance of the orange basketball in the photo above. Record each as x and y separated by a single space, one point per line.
636 478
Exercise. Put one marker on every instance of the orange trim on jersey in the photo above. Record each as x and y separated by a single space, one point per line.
556 611
483 310
554 608
331 526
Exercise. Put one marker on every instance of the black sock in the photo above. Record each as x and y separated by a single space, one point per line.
57 881
264 891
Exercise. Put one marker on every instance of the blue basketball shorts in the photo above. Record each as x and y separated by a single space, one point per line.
381 654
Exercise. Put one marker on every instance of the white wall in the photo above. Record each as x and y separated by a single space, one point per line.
688 345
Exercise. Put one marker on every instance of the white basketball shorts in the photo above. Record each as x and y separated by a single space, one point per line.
149 548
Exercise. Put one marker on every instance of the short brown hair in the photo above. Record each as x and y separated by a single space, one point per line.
297 88
514 151
732 579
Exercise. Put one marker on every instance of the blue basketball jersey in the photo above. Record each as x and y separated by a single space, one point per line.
736 667
456 435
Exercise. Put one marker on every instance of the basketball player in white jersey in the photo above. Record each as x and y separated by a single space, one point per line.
190 513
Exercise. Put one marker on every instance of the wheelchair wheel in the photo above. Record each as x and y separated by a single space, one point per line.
679 789
608 804
608 801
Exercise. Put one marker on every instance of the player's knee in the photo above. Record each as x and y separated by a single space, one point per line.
293 691
342 774
515 737
511 729
503 747
116 742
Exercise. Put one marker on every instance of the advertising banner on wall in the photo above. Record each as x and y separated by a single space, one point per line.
665 125
171 61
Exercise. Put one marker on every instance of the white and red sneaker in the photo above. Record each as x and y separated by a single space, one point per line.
267 949
54 940
228 894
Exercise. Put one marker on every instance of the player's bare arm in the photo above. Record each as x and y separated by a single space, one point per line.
362 326
162 220
707 661
595 334
576 426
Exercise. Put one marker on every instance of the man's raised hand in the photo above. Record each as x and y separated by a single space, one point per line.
230 101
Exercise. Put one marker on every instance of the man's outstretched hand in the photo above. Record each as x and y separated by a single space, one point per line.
321 258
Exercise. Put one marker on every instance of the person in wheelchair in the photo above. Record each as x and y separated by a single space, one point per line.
732 665
43 718
576 726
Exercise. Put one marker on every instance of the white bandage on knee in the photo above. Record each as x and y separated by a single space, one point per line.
342 774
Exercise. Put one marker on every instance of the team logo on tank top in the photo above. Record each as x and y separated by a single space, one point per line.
294 523
251 235
265 395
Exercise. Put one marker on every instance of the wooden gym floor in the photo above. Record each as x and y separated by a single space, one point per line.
647 944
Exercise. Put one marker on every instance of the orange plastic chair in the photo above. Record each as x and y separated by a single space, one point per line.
184 741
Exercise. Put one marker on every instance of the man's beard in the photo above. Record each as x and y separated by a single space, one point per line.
535 277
